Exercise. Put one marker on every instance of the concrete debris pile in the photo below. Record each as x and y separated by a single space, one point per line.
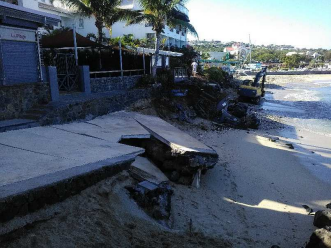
155 199
237 114
321 238
178 165
207 101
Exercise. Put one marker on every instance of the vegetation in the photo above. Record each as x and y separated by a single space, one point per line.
159 13
185 61
215 74
267 55
106 12
54 32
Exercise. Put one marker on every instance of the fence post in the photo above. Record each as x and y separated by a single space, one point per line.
53 84
75 43
144 60
85 80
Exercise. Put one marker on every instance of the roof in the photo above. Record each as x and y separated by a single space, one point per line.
152 51
66 40
15 11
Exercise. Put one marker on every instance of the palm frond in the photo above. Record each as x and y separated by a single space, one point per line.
187 25
80 6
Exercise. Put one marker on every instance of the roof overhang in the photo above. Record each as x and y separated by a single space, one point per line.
25 14
162 52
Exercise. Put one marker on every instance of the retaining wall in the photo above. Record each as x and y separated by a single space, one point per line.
113 83
98 104
17 99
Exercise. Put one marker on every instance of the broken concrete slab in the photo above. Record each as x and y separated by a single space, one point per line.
143 169
179 141
15 124
44 165
110 128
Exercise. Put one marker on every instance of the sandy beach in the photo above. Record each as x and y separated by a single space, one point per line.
252 198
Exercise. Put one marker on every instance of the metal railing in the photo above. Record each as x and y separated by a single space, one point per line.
180 74
116 73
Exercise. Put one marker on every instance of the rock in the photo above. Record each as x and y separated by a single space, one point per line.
322 218
321 238
252 121
289 145
174 176
156 200
238 110
328 205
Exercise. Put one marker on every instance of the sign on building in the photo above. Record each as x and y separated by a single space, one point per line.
17 34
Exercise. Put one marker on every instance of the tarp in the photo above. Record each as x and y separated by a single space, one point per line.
66 40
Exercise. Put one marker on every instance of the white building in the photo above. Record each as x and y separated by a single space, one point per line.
173 37
84 25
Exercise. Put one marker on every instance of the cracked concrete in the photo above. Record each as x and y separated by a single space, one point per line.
54 162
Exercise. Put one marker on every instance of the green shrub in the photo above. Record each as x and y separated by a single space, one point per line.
165 77
145 81
216 75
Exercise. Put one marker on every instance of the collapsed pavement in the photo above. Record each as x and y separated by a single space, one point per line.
181 157
63 160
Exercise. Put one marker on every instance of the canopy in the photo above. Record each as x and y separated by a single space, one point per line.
162 52
65 39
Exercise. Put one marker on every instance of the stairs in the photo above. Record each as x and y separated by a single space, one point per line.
36 112
15 124
28 120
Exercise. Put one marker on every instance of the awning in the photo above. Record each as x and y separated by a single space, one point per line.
162 52
26 14
66 40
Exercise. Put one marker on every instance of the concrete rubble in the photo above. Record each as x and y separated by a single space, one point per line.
62 160
143 169
155 199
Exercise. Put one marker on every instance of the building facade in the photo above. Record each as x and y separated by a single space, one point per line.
19 43
84 25
176 37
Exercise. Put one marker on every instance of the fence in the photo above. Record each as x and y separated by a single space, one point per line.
116 73
180 74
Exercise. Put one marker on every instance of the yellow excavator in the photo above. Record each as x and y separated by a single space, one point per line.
251 90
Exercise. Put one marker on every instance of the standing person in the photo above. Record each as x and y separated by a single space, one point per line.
194 68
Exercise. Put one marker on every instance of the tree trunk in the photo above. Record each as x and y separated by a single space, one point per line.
99 25
157 52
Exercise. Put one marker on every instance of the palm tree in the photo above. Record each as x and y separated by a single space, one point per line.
159 13
106 12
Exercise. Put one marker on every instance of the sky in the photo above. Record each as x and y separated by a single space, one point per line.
301 23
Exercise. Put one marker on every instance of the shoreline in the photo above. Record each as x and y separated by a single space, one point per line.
252 198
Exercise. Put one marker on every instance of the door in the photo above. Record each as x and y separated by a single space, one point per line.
19 62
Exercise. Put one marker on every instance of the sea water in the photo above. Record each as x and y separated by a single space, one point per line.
307 104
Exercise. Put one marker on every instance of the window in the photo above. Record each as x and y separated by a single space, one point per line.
81 23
